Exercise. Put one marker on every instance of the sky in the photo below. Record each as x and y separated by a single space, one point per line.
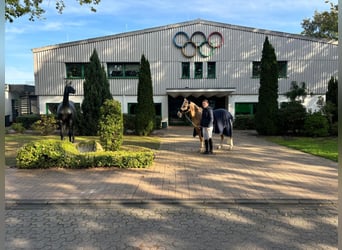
114 17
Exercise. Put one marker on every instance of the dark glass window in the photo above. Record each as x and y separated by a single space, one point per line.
282 69
256 69
185 70
75 70
198 70
123 70
211 69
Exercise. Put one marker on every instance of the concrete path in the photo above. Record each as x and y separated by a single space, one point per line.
254 171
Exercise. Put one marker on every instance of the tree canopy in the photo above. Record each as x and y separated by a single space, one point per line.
267 108
16 8
145 111
323 24
96 92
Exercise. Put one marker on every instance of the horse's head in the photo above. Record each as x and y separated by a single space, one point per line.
69 89
185 108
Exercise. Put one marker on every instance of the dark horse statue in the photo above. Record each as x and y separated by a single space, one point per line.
66 113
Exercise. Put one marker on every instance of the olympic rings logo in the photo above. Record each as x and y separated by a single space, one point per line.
198 42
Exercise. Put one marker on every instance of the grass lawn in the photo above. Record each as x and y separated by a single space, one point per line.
326 147
14 141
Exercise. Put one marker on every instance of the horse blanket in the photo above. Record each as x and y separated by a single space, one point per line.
223 123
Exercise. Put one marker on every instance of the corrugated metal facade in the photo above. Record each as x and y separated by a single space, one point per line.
309 60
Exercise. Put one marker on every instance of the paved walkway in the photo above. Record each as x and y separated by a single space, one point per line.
255 171
257 196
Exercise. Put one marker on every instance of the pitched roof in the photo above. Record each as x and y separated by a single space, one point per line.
188 23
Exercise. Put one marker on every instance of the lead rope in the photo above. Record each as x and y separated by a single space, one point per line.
188 118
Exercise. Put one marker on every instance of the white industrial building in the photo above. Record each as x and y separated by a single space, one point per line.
194 59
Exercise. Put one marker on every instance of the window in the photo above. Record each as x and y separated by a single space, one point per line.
75 70
211 70
185 70
282 69
198 70
256 69
245 108
123 70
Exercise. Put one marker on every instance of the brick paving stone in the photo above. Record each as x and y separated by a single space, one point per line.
257 196
172 227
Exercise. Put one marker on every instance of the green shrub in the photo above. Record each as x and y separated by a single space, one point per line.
18 127
316 125
57 153
111 125
27 120
46 125
334 129
291 118
158 120
129 122
244 122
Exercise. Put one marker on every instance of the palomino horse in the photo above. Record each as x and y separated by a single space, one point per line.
223 121
66 113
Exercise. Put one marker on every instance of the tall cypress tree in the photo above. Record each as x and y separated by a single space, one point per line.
331 97
95 91
267 108
145 111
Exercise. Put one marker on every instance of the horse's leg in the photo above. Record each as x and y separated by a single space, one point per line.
221 142
61 129
199 132
71 131
72 137
230 143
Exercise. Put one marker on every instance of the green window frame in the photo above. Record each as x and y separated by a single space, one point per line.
282 69
211 70
123 70
185 70
245 108
75 70
198 70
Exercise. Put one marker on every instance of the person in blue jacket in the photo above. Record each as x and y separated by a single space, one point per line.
207 124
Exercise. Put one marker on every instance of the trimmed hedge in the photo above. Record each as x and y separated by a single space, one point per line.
57 153
244 122
27 120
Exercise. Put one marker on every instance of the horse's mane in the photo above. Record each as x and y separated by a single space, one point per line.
199 109
196 116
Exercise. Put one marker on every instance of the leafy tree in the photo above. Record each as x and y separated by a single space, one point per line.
15 8
292 114
323 24
297 93
145 110
267 107
96 91
111 125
